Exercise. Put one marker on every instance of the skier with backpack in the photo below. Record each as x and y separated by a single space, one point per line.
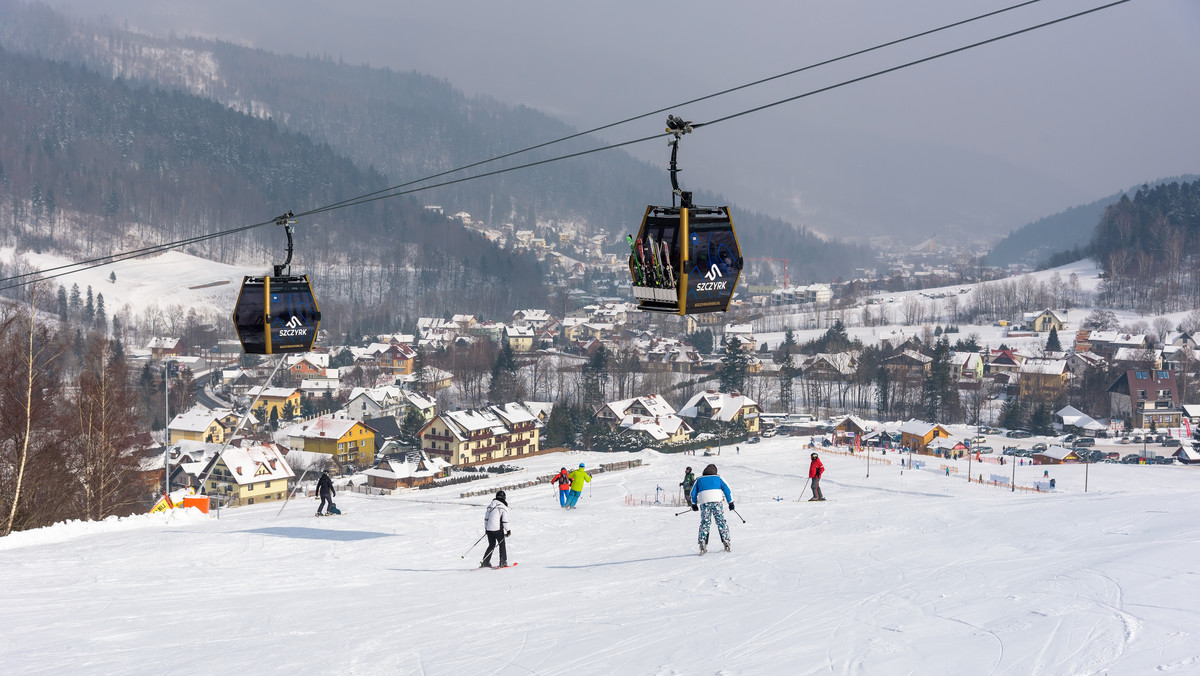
326 492
495 526
689 480
563 480
706 497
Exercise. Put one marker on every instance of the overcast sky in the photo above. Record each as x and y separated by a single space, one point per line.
1049 119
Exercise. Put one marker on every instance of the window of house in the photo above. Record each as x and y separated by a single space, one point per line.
267 485
1141 394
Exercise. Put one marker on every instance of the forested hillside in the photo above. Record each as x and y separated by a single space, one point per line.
90 166
408 125
1147 246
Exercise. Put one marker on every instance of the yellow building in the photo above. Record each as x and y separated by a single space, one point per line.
349 441
275 399
520 338
198 424
245 476
482 435
918 434
1043 379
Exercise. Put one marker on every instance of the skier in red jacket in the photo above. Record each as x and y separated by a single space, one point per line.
815 470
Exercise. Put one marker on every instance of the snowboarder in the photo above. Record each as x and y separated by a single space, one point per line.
578 478
689 480
325 492
706 498
815 469
495 525
563 480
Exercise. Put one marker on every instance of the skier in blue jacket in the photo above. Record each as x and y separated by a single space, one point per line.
707 496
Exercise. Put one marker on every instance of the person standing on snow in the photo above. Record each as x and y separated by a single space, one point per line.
706 498
325 492
815 469
495 525
578 478
563 481
689 480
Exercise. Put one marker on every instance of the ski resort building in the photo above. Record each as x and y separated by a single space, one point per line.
918 434
347 440
723 406
480 436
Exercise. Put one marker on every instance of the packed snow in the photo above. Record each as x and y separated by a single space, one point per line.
901 571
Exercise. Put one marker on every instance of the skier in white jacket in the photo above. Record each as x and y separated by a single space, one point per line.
495 524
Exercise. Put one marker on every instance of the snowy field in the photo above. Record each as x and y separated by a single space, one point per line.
902 572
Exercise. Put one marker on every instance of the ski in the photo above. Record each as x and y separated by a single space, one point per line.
511 565
639 275
667 262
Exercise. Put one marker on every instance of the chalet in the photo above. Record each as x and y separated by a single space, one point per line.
830 367
1074 420
917 434
406 471
669 429
534 319
1079 363
1044 321
247 475
1003 361
909 364
1149 397
848 430
725 407
1106 343
164 347
648 406
308 365
1043 379
482 435
396 359
744 333
346 440
1055 455
424 405
1126 358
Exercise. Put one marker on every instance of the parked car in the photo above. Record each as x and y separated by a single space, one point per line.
769 433
1010 450
979 440
1131 459
982 449
1163 460
1069 438
1137 439
754 440
1171 442
1039 446
1018 434
1084 442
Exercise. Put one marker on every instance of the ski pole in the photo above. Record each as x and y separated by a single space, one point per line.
473 546
684 511
803 489
739 515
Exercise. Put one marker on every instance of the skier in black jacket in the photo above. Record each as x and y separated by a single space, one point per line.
325 491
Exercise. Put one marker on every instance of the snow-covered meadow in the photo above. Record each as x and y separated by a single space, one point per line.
900 572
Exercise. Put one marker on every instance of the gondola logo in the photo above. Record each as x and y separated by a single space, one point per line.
713 274
294 327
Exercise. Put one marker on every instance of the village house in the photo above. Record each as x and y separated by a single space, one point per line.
246 475
198 424
346 440
407 470
968 366
308 365
1055 455
830 367
482 435
850 431
279 403
1002 361
1148 397
1044 321
908 365
648 406
534 319
1043 380
520 338
724 407
376 402
658 430
161 348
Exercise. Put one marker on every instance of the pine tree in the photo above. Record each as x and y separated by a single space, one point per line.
1052 344
101 322
75 301
734 366
89 308
506 385
413 422
595 378
63 308
938 390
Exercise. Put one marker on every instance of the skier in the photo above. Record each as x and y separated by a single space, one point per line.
706 498
563 479
578 478
689 480
815 469
495 525
326 493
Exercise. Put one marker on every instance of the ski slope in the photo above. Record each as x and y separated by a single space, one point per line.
902 572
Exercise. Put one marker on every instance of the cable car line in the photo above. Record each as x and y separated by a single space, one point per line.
101 261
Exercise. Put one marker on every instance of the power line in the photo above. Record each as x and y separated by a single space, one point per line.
395 191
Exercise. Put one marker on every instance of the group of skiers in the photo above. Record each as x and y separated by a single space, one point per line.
708 495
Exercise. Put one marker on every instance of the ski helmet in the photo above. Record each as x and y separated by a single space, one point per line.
814 456
581 465
500 495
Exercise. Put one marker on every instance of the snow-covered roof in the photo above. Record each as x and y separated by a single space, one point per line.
725 406
323 427
1056 452
1048 367
652 403
660 428
197 419
252 464
273 392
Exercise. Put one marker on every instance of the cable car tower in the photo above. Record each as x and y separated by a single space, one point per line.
277 314
685 259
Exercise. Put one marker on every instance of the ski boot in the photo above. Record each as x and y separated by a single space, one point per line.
727 545
485 564
703 548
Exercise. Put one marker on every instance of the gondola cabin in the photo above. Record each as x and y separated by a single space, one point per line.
276 315
685 260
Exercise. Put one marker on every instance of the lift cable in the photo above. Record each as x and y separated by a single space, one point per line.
394 191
